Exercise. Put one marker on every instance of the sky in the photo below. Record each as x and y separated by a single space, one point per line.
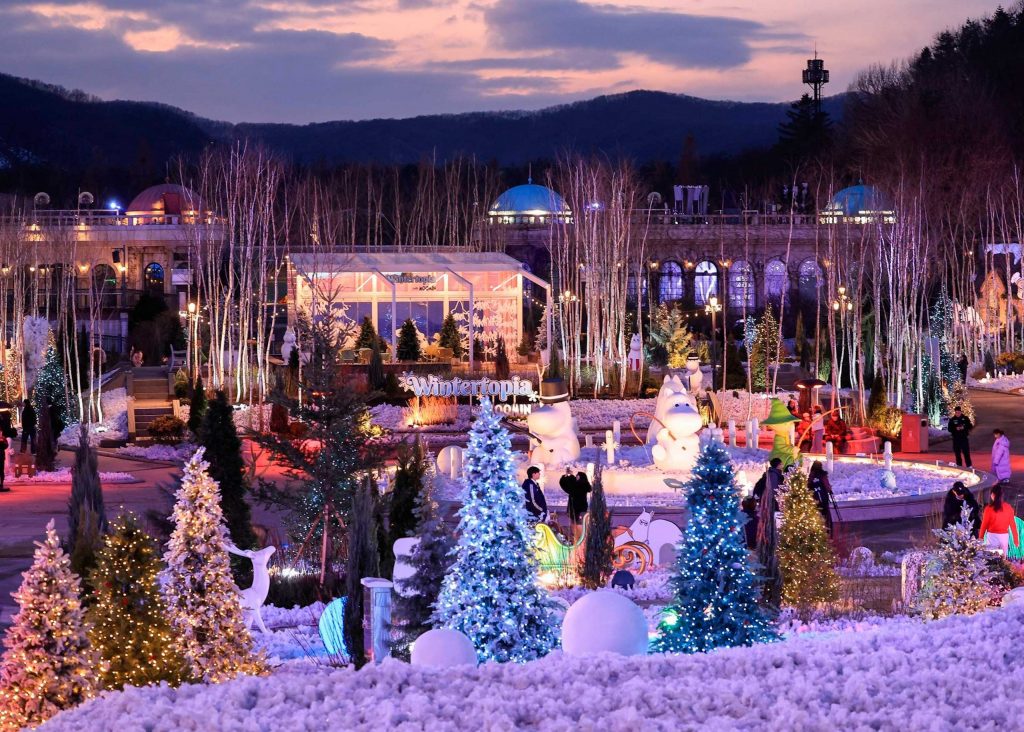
306 61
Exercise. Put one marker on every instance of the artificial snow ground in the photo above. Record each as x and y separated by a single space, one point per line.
955 674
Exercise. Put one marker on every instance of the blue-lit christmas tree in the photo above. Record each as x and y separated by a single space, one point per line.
51 385
491 592
715 590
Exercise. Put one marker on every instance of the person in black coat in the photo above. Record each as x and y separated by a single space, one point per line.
952 509
6 429
576 487
28 427
818 482
536 504
960 428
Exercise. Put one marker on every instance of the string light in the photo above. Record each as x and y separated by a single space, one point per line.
714 590
491 592
806 558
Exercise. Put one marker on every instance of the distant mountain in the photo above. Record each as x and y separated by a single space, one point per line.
44 124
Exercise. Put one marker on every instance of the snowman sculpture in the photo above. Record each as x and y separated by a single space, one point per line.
635 357
672 389
552 427
678 443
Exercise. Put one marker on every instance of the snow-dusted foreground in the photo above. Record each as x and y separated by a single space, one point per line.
958 673
1010 382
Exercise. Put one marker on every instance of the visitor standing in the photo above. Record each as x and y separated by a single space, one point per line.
818 482
962 365
28 426
998 523
960 428
6 428
952 509
818 430
576 487
766 492
536 505
1001 456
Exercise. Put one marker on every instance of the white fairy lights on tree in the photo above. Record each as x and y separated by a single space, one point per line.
48 664
491 592
202 600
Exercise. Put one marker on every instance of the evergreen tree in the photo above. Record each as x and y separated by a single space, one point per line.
879 399
491 592
806 131
409 342
128 617
957 578
338 422
203 605
715 593
197 406
430 560
87 517
367 337
597 552
802 346
450 336
502 368
671 336
806 559
51 385
224 453
363 561
735 374
375 371
765 350
48 664
406 489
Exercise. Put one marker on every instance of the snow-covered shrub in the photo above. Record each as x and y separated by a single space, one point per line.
957 576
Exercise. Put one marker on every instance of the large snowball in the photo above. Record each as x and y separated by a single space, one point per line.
604 621
442 648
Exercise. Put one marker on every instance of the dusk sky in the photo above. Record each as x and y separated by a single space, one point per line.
317 60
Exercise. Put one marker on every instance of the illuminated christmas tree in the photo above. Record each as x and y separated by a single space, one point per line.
491 592
48 664
958 578
715 591
806 558
51 384
202 600
127 614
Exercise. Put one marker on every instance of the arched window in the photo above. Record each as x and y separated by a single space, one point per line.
103 278
631 287
741 285
776 281
153 278
705 281
670 282
810 280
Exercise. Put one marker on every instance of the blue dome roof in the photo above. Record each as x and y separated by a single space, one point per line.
851 201
530 200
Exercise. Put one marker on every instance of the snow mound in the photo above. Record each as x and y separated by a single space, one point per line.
604 621
928 676
443 648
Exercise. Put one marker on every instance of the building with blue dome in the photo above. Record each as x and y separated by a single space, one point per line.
529 204
861 204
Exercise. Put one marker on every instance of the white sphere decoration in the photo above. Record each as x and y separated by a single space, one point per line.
604 621
443 648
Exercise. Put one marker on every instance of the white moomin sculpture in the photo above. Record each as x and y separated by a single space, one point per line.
552 427
678 443
635 357
672 388
255 595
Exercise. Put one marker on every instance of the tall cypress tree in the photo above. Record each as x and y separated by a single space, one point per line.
224 452
491 592
363 561
87 516
714 590
430 560
409 342
597 552
197 406
406 489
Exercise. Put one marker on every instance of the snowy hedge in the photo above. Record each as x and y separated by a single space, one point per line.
952 674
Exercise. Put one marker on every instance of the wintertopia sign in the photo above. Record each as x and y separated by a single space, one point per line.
498 389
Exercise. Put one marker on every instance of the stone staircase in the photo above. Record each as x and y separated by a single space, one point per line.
150 397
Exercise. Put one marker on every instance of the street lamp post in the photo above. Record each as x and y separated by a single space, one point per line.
713 307
842 305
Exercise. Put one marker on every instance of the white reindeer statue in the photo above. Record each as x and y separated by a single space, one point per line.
254 596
